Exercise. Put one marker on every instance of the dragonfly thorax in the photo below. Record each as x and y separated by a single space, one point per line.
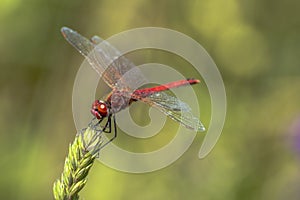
100 109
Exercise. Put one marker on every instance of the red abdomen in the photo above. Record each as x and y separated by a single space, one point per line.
148 91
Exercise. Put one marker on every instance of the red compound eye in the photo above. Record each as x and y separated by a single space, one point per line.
99 109
102 109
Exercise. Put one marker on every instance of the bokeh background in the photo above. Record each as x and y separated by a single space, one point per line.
255 44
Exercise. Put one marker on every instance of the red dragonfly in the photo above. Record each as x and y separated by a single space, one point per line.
122 94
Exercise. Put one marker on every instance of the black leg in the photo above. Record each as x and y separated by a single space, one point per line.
96 125
115 129
107 126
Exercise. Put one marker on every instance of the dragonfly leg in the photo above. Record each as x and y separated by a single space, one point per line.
115 129
107 127
96 125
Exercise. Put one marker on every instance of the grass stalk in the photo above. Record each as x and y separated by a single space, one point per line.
82 153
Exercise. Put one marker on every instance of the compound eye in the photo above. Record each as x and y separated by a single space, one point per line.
99 109
102 109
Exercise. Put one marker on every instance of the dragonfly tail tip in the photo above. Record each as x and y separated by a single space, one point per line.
193 80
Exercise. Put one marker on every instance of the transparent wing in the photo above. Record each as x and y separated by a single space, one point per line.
122 72
84 46
106 60
174 108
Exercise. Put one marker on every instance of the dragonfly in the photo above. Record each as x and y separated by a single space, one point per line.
113 67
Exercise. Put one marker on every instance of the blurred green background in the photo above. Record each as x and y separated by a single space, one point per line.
255 44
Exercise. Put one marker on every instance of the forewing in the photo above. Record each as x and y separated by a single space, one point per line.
85 47
122 72
105 59
174 108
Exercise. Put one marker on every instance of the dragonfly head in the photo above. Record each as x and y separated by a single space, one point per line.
100 109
